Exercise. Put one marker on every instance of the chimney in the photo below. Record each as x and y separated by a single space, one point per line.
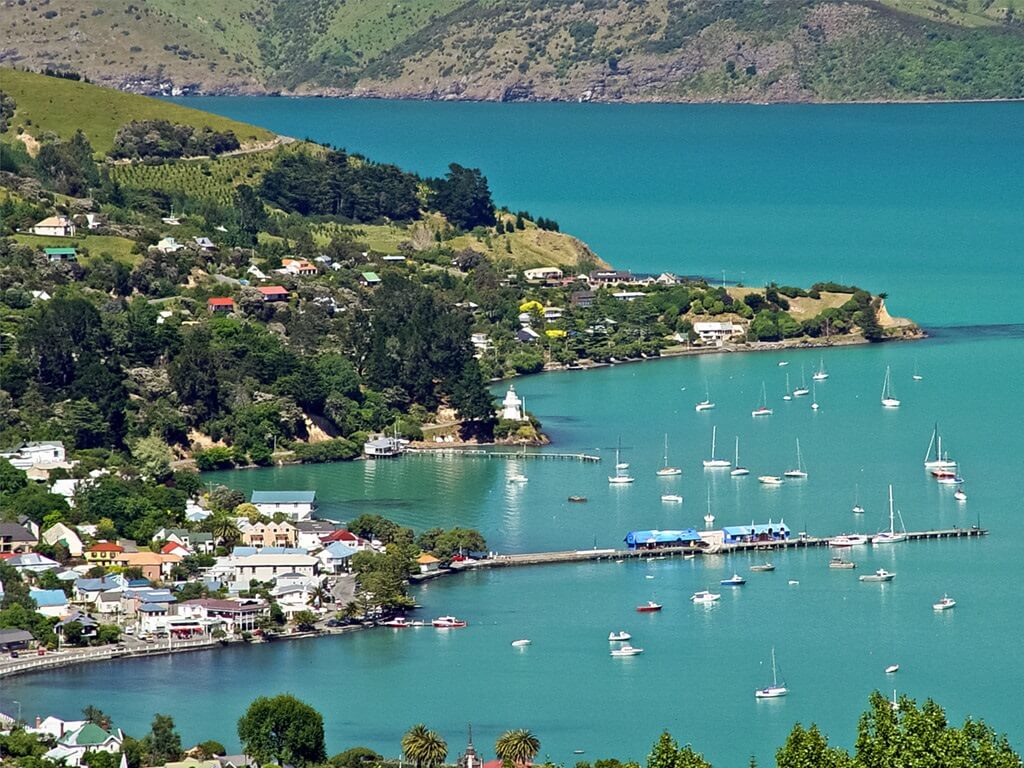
39 721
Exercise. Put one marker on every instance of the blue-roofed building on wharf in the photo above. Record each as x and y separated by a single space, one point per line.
755 532
687 537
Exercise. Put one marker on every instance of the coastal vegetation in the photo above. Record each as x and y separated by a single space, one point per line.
283 730
606 50
157 336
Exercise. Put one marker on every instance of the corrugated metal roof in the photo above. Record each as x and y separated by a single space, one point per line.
283 497
662 537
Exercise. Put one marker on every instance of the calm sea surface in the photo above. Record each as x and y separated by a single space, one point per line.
921 201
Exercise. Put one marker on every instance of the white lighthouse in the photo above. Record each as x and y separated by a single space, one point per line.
512 406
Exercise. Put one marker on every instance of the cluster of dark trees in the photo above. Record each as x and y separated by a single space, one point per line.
7 107
353 188
162 139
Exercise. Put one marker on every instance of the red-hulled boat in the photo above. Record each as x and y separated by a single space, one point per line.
448 622
650 607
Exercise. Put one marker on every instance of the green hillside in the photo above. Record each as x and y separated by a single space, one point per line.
60 106
603 50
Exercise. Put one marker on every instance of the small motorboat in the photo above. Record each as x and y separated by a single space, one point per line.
944 604
520 643
783 363
734 581
762 567
770 480
649 607
448 622
848 540
892 669
517 478
839 563
619 637
942 473
672 498
955 479
627 650
704 405
959 495
794 583
762 411
399 622
857 509
578 499
880 575
704 597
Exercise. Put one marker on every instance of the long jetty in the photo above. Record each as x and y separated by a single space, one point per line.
482 453
799 542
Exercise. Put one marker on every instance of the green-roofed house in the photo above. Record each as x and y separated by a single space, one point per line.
60 254
74 745
295 505
369 278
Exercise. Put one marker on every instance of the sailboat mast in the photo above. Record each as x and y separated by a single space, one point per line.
892 525
714 435
928 453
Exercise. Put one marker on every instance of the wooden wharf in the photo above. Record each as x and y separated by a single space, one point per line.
483 453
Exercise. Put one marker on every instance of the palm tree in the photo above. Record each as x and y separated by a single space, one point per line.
517 747
424 747
225 529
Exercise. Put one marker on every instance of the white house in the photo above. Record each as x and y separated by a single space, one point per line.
553 313
33 454
715 333
53 727
628 295
295 505
74 745
542 274
50 602
169 245
66 536
512 408
55 226
204 243
267 567
337 557
236 615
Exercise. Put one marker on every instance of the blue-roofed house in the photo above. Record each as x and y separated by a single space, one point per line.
337 557
32 562
295 505
153 617
755 532
88 590
50 602
655 539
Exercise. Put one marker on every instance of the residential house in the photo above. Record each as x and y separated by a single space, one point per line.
527 335
89 590
109 603
15 539
40 295
103 553
256 272
369 278
153 617
308 533
169 245
174 548
610 277
349 539
204 244
220 304
583 299
551 314
270 535
428 563
14 640
29 455
53 727
55 226
295 505
155 566
88 623
237 615
302 267
337 557
481 343
93 221
32 562
264 567
50 602
195 513
193 541
715 333
628 295
394 258
66 487
542 274
273 292
60 254
668 278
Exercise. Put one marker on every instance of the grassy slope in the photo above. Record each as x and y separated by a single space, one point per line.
62 106
120 248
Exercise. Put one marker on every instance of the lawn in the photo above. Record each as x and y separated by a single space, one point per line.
120 248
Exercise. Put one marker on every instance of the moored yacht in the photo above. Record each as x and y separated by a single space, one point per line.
666 470
821 374
739 471
448 622
774 690
619 637
944 604
888 398
880 575
891 536
733 581
704 597
799 471
649 607
715 463
762 409
627 650
770 480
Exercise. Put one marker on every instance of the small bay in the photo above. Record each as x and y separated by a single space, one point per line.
923 202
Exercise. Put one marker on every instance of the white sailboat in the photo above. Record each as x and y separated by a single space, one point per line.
705 404
739 471
763 409
709 519
666 470
940 461
821 374
802 389
857 508
774 690
799 471
714 463
891 536
888 399
621 476
814 396
916 376
787 396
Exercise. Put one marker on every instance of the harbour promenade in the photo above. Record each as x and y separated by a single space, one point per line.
29 661
483 453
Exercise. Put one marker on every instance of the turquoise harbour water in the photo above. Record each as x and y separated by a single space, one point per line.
801 192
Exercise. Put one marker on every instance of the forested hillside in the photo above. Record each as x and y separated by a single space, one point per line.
605 50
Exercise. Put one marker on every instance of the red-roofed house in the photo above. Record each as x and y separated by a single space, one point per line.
174 548
103 553
298 266
220 304
347 538
273 293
